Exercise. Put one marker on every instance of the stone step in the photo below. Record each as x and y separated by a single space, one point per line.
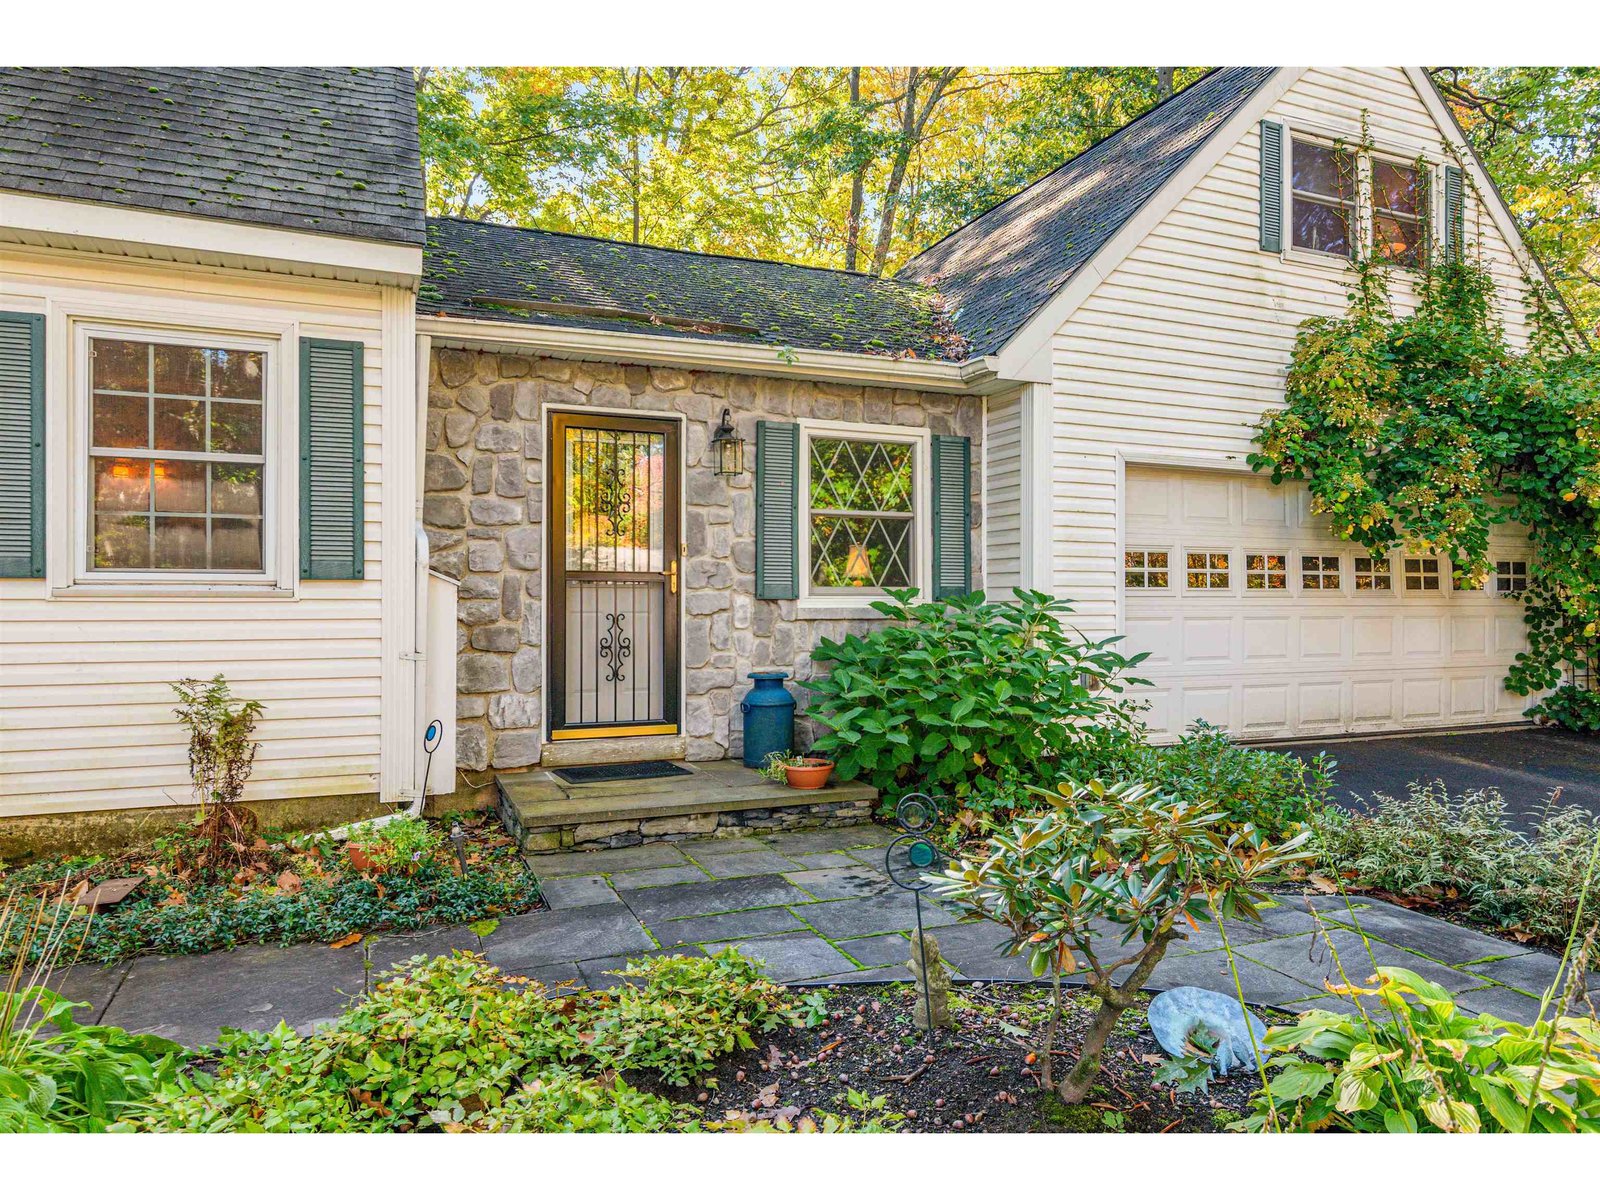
544 814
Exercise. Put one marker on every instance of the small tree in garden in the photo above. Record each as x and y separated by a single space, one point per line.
222 752
1101 858
964 696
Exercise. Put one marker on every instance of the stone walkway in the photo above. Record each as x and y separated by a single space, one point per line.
815 906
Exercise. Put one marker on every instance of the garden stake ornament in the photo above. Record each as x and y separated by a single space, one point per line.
910 861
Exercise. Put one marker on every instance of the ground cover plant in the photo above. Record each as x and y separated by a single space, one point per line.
1101 857
453 1045
1274 791
57 1076
1409 1060
1461 856
404 874
964 697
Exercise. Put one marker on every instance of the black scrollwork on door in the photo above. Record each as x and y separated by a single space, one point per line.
613 490
615 646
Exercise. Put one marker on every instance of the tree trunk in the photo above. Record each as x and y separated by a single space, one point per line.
858 179
913 123
1114 1001
1164 82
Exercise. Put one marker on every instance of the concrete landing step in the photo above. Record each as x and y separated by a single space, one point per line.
543 813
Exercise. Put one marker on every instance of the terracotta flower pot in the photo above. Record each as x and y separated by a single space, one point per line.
808 774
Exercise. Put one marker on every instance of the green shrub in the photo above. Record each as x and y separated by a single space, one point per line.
447 1045
1570 707
1274 791
963 697
1102 859
57 1076
1464 853
1417 1063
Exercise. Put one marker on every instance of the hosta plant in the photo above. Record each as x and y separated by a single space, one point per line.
1412 1061
1104 881
964 696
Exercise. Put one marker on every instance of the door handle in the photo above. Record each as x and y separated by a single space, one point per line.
672 577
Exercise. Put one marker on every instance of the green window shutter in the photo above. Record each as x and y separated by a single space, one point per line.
1272 186
777 511
952 516
21 445
331 477
1454 192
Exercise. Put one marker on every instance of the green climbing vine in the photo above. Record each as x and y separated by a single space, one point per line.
1423 430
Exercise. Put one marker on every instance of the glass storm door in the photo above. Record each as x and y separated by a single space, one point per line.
613 576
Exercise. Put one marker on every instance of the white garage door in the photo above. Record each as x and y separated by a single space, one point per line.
1259 621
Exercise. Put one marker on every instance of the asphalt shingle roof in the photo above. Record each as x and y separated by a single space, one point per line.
328 150
1002 267
505 273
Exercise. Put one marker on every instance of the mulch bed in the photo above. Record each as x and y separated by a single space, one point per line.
976 1079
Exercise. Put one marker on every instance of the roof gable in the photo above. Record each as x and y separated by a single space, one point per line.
1001 268
329 150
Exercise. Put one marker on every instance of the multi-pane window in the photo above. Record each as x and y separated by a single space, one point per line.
1422 574
1266 572
1398 221
863 524
1206 570
1319 572
1373 575
1323 182
176 456
1146 568
1510 576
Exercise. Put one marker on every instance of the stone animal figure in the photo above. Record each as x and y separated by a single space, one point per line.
1176 1015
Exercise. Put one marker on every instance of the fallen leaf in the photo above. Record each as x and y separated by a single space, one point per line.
1323 884
349 939
289 882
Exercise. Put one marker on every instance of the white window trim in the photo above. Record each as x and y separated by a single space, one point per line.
1172 568
1396 583
921 514
280 518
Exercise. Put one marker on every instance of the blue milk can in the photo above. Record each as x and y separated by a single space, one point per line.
768 710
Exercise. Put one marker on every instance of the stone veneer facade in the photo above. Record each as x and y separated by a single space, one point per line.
484 506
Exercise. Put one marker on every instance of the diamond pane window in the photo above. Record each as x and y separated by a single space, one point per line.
1146 568
176 476
1266 572
1319 572
1373 574
1206 571
1510 577
862 514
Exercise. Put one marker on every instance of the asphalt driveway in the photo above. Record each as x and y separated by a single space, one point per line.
1525 764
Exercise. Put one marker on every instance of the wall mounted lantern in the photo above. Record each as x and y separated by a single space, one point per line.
727 447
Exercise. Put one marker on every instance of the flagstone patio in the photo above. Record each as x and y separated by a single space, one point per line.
815 906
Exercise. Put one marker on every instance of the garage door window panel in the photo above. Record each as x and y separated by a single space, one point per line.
1266 572
1207 570
1320 573
1373 574
1510 577
1422 575
1146 569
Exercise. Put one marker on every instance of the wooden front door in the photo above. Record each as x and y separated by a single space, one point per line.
613 577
